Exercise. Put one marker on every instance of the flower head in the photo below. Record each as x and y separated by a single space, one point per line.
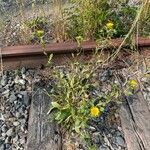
95 111
133 84
40 33
110 25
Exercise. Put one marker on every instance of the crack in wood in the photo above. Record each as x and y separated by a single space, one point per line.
138 115
41 135
134 125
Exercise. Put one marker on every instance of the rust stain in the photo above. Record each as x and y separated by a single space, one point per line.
32 55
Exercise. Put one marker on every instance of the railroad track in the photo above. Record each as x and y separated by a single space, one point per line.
33 55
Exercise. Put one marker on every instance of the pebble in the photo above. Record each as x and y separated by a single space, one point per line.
16 123
26 99
21 81
148 89
3 134
104 147
23 70
92 128
106 75
4 80
17 115
17 79
10 132
6 92
22 140
2 147
12 98
96 137
8 139
120 141
4 128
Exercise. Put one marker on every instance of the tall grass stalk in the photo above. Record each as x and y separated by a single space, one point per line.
58 21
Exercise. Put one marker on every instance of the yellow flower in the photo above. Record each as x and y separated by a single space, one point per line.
110 25
133 84
95 111
40 33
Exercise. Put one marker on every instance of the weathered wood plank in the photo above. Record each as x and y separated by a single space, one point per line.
128 128
135 117
141 116
42 134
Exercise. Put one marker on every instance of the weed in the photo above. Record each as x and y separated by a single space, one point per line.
72 98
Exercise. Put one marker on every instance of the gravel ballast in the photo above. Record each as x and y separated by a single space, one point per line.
15 91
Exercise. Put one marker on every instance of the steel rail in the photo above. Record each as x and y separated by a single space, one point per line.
33 55
61 48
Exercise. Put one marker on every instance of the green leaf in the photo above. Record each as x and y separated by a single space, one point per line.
56 105
50 110
62 116
77 125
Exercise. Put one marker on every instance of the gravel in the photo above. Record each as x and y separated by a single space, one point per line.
15 92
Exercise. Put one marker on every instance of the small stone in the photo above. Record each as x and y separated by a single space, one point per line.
104 147
20 96
26 98
118 133
144 79
8 139
6 92
16 123
23 76
96 138
15 139
17 115
120 141
7 146
12 98
22 121
92 129
22 141
22 128
106 75
21 81
17 79
2 147
4 80
3 134
4 128
23 70
9 132
148 89
2 117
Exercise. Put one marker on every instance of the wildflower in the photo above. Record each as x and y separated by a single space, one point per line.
40 33
110 25
95 111
133 84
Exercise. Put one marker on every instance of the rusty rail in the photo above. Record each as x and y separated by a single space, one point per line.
61 48
32 55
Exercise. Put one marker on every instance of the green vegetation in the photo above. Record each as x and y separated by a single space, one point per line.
89 18
85 19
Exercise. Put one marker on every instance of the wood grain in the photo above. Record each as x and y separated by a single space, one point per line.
42 134
135 117
127 125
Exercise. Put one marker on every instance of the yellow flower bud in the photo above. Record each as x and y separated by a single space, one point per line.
110 25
